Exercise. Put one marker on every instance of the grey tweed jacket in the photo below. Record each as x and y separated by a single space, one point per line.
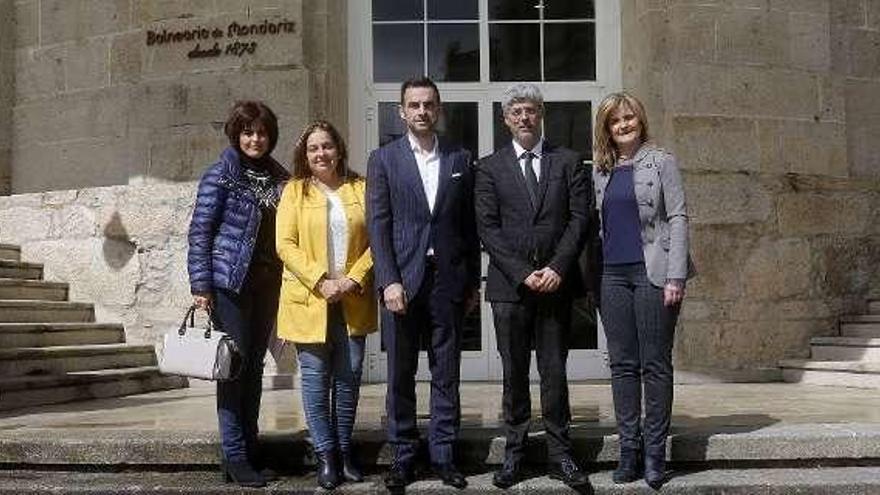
663 216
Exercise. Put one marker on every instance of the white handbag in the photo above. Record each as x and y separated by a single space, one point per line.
207 353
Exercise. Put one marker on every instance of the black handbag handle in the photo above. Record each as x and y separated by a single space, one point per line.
191 316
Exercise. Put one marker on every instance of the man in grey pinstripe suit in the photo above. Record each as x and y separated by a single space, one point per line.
420 216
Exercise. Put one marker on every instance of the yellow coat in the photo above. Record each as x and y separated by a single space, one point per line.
301 242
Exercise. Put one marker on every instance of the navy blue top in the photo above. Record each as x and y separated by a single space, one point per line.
621 229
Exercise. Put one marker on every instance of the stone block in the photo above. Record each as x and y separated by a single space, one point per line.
20 224
832 98
873 13
778 269
38 72
182 153
93 267
245 6
741 91
693 32
729 199
803 147
26 23
644 6
864 53
753 37
807 6
715 143
813 213
719 254
863 127
150 215
69 164
100 113
851 13
809 43
87 64
66 20
126 58
164 280
848 265
150 11
73 222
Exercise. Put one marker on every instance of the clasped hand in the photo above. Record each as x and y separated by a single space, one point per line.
332 289
545 280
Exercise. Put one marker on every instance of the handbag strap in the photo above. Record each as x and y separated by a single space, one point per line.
190 315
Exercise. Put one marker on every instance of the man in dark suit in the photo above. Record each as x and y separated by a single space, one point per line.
532 205
425 250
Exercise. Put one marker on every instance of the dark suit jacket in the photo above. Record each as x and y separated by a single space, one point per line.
520 238
402 227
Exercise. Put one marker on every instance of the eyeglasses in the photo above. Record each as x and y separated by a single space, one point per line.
519 111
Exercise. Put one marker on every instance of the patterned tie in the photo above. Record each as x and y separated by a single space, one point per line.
531 178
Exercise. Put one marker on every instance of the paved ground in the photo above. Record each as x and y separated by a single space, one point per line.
709 405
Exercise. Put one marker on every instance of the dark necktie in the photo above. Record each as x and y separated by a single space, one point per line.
531 178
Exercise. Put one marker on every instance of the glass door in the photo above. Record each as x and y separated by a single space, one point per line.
473 50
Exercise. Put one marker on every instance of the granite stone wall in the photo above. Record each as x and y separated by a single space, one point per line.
113 92
7 81
772 107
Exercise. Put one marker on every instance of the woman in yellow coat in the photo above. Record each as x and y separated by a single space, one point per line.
327 302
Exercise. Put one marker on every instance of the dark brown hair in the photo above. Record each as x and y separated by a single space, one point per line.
418 82
248 114
301 168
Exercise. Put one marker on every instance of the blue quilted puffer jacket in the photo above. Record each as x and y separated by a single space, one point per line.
224 226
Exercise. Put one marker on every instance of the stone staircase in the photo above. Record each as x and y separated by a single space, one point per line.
851 359
52 351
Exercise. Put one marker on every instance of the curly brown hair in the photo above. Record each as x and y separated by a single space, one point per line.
301 169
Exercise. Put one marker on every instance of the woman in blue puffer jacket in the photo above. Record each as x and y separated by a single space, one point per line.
235 273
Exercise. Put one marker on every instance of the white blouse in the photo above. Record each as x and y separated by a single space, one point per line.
337 232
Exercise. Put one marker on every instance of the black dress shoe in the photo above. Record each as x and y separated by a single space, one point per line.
242 474
568 472
450 475
509 475
655 470
350 470
328 469
630 467
399 476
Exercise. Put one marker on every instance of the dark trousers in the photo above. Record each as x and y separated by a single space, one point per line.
547 320
640 331
435 317
248 317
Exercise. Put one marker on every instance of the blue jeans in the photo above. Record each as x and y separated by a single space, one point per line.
248 317
334 365
640 331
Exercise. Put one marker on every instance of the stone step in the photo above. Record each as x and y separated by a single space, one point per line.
478 447
59 334
41 290
10 252
858 374
845 349
64 359
864 329
20 269
860 319
45 312
764 481
27 391
874 307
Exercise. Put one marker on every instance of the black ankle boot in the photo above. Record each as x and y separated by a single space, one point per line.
655 469
350 470
243 474
328 469
630 467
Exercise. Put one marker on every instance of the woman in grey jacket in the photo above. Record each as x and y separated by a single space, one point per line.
644 230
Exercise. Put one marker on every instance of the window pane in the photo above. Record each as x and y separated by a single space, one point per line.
390 125
569 9
459 125
453 9
397 10
570 52
500 134
512 9
568 123
397 52
514 51
454 52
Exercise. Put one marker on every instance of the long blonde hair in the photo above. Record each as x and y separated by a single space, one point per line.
604 150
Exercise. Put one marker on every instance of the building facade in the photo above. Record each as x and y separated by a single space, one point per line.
114 107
